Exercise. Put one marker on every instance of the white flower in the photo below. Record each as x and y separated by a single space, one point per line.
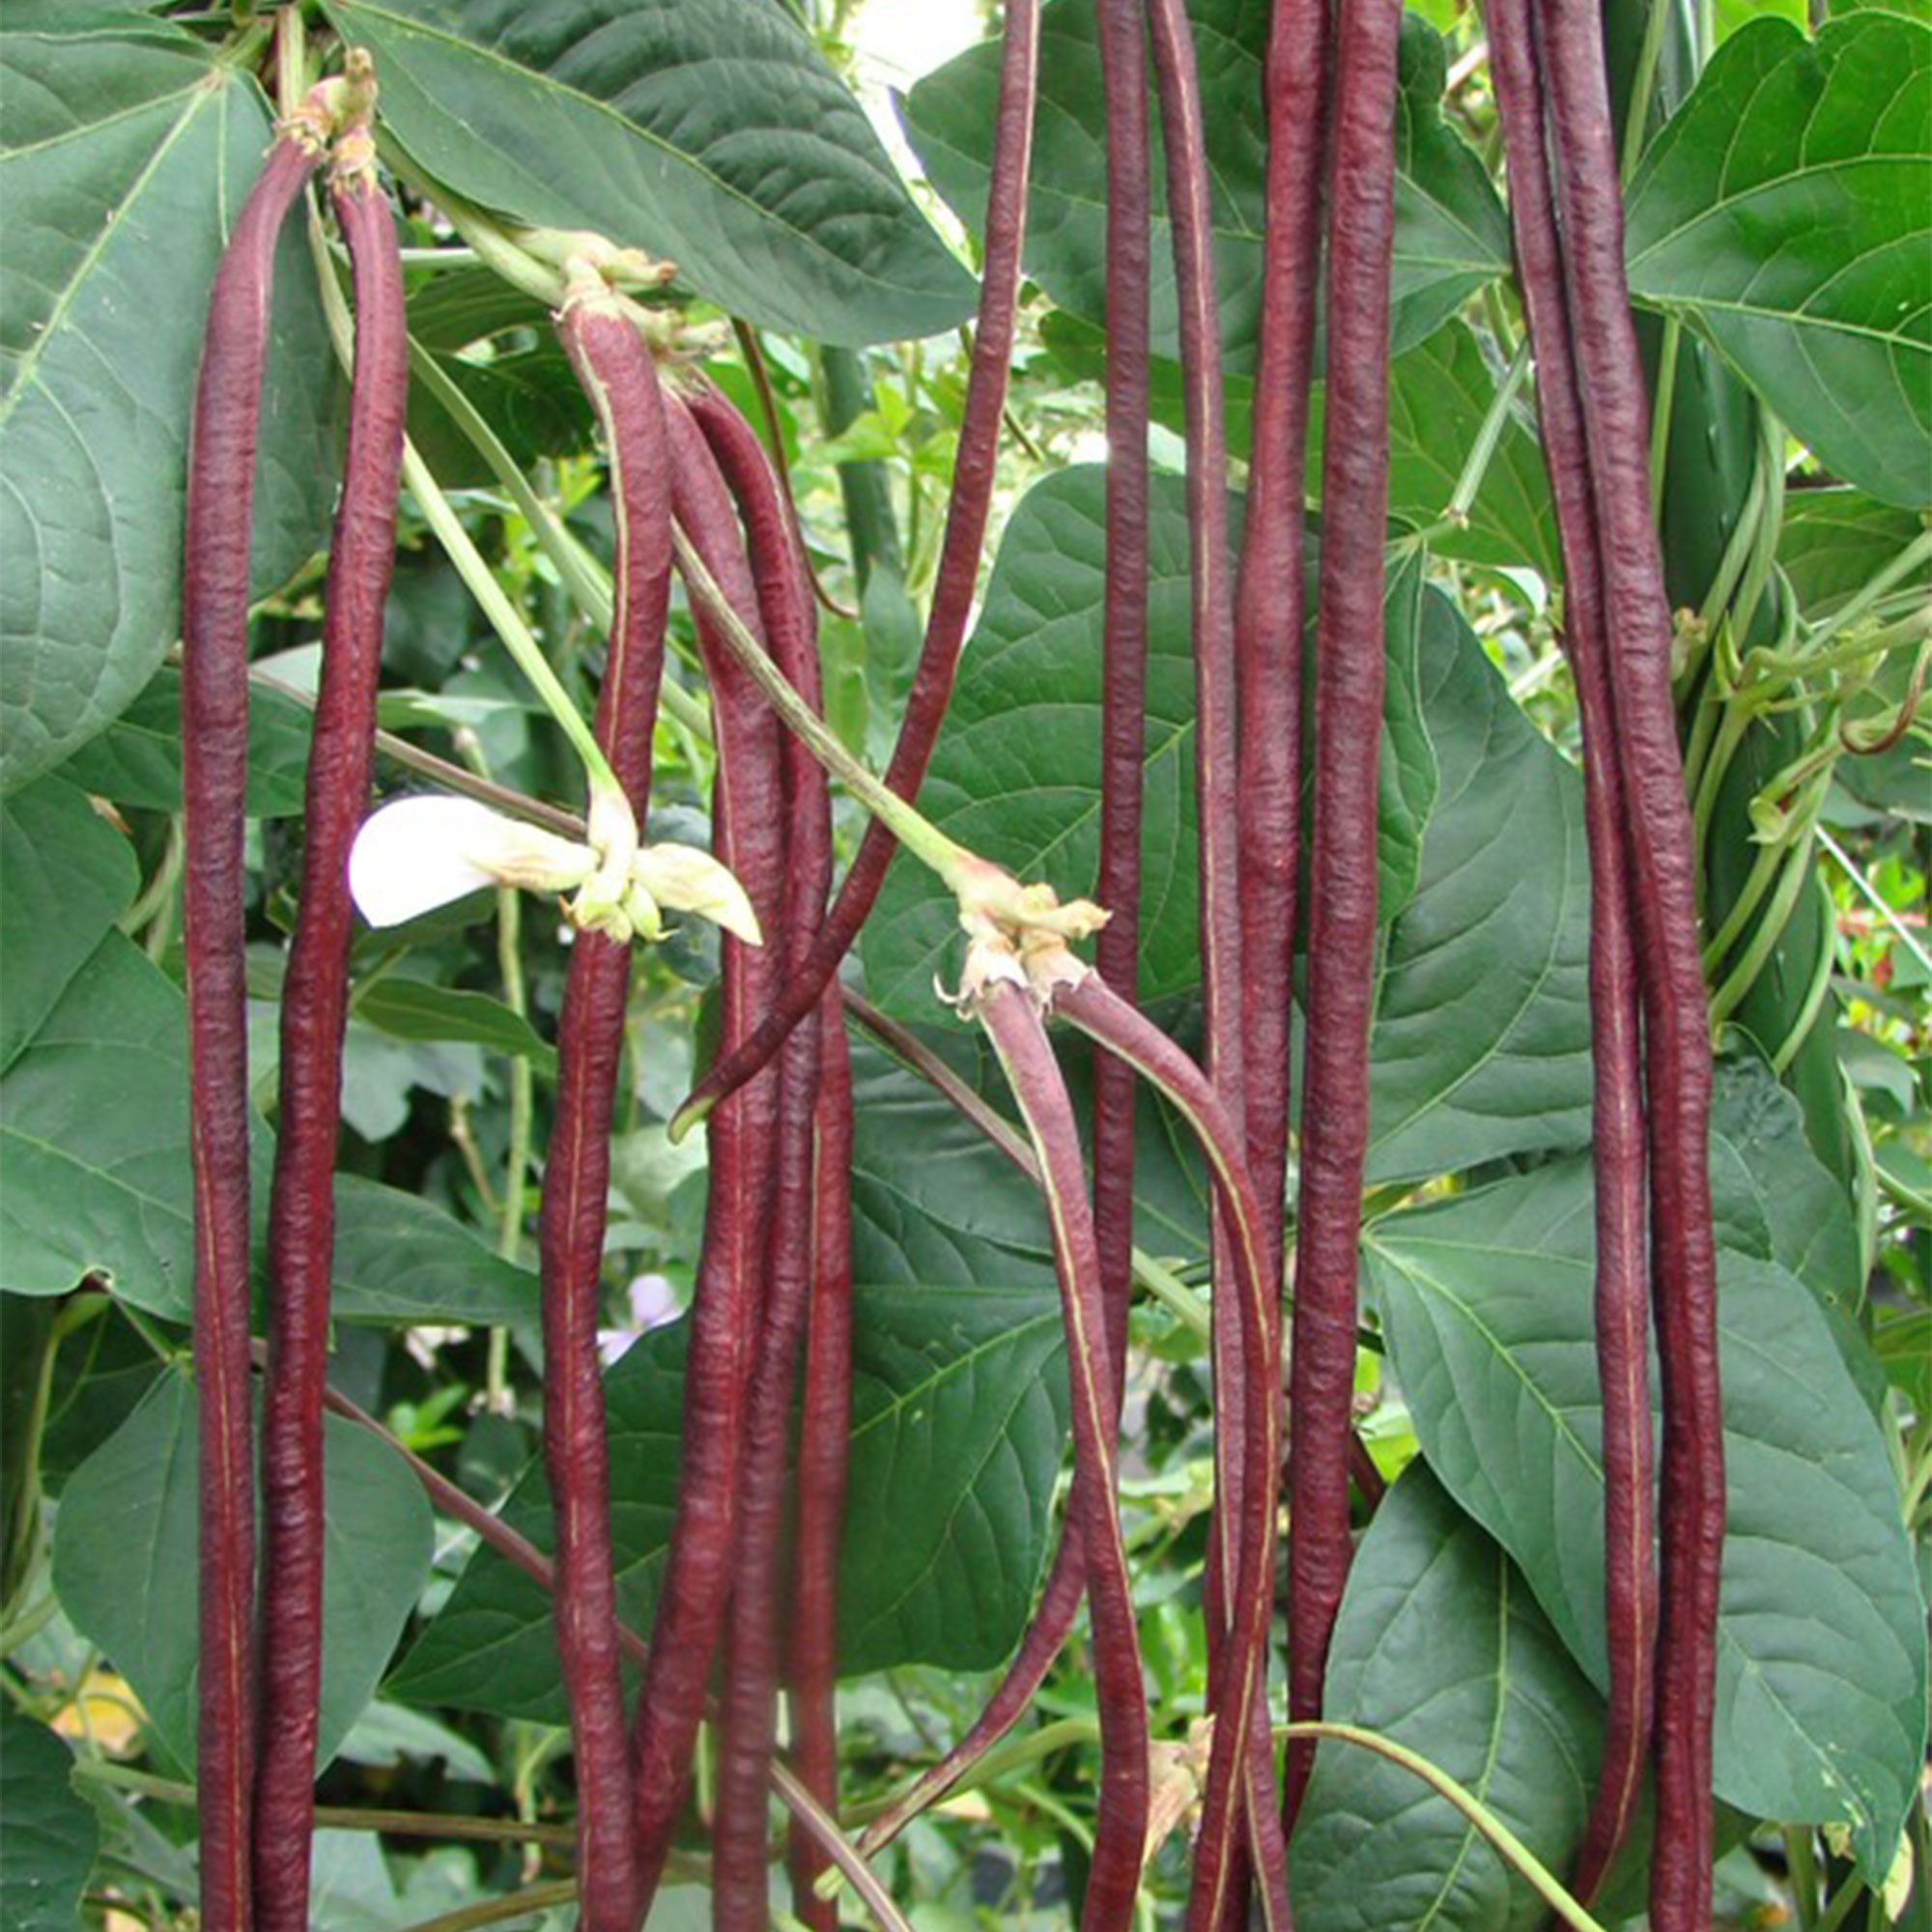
421 853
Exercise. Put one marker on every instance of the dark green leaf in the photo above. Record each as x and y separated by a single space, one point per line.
136 760
530 397
716 137
66 876
454 307
1441 1646
1015 774
420 1009
47 1830
1786 211
121 173
125 1563
1451 233
959 1419
1486 1301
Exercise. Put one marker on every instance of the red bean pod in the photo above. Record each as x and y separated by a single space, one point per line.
1677 1060
618 373
315 993
824 1440
1013 1024
1617 1145
727 1308
215 752
1218 1858
748 1704
966 517
1348 679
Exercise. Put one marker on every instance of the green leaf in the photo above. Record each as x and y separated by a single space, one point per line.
1451 237
716 137
1480 1046
49 1834
67 875
1440 1645
1833 542
1787 211
125 1563
124 161
1015 774
399 1258
420 1009
530 397
959 1422
94 1123
1486 1303
93 1120
136 761
1731 15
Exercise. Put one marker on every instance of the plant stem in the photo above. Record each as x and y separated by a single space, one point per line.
1869 893
1667 355
1506 1843
525 1904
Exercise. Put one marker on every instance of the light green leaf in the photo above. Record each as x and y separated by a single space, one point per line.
47 1830
1451 236
123 162
1486 1303
958 1428
66 876
1786 211
1440 1645
1833 542
1015 774
125 1563
399 1258
716 137
137 760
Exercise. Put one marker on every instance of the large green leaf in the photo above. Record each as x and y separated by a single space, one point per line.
48 1833
1481 1039
1440 1645
123 162
714 136
421 1009
93 1123
138 759
1451 237
1786 211
125 1562
1486 1301
66 876
1017 776
959 1427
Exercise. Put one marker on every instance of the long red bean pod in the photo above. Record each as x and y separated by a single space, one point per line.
618 373
1617 1145
1123 751
301 1217
966 515
1268 586
1086 999
1349 678
1013 1024
1216 808
214 751
749 817
824 1441
1677 1066
747 1728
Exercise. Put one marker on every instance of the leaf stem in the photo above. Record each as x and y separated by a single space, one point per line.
1506 1843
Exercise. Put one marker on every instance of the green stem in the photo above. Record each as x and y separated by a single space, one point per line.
1913 556
952 863
1667 384
1643 87
1869 893
1843 1899
1744 976
29 1624
586 581
1815 996
471 565
153 908
492 245
1802 1862
528 1903
1495 419
1506 1843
